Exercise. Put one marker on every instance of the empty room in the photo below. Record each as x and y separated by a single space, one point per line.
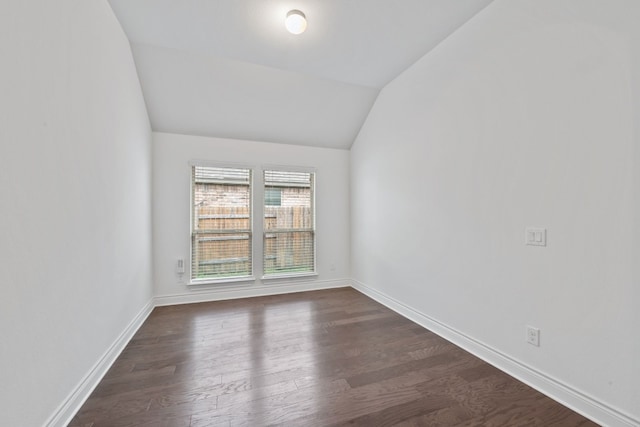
320 213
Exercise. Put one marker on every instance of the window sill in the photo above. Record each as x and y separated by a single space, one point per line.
289 275
222 281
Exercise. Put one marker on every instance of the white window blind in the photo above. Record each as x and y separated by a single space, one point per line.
289 223
221 223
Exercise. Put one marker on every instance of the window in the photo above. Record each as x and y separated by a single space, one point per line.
289 224
272 196
221 223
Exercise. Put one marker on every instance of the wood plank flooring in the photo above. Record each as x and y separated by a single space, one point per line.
324 358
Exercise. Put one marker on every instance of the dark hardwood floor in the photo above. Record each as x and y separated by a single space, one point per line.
319 358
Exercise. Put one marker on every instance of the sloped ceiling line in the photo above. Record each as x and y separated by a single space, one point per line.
228 68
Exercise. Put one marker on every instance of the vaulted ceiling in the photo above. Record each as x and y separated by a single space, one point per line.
229 68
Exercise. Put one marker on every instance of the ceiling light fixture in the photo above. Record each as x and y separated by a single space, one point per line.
295 22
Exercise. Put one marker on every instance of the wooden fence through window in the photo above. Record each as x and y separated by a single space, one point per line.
288 241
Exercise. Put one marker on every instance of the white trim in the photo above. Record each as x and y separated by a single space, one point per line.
228 292
221 164
204 282
290 275
74 401
285 168
567 395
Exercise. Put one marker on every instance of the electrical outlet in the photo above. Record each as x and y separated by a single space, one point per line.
535 236
533 336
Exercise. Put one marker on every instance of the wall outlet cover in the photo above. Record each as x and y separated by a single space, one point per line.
533 336
535 236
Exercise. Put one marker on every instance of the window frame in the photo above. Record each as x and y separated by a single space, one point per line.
314 178
228 279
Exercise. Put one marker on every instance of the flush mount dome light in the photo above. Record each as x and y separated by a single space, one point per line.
295 22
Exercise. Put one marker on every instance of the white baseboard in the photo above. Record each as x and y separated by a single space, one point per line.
576 400
219 293
70 406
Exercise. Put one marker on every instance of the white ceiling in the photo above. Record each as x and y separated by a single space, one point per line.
229 68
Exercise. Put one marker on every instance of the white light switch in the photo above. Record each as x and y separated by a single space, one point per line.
536 236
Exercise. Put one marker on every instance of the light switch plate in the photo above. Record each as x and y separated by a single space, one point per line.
535 236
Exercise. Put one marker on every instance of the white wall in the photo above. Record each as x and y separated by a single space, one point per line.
75 221
529 115
171 240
